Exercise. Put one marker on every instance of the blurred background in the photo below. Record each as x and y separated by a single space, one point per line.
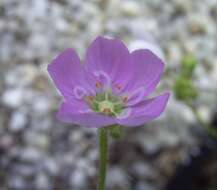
176 151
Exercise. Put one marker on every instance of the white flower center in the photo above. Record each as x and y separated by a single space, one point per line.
106 107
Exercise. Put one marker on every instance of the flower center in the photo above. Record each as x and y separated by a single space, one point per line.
105 103
106 107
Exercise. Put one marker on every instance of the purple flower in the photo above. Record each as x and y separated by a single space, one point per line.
110 87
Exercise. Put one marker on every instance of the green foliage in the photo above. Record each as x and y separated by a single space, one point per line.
188 65
184 89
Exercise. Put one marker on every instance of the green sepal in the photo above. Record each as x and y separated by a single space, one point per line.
116 131
100 97
95 106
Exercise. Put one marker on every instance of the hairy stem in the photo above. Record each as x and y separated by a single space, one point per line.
103 153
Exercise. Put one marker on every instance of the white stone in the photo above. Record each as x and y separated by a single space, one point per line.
204 113
51 166
142 44
131 8
144 186
13 97
78 178
174 54
21 75
41 105
143 169
43 181
18 121
30 154
179 110
117 177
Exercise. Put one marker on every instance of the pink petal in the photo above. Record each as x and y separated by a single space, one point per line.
67 73
106 60
146 111
147 71
103 53
82 115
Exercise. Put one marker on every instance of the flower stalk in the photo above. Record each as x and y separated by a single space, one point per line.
103 153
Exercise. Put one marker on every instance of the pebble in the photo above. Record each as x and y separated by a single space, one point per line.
77 179
43 182
131 8
18 121
117 178
25 73
30 154
13 97
142 44
144 185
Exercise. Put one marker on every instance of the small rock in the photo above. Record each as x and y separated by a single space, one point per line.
143 170
18 121
43 182
131 8
78 179
117 179
17 182
142 44
13 97
30 154
204 114
144 186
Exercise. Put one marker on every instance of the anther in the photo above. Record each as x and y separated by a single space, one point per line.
106 110
98 85
117 86
90 99
103 77
125 99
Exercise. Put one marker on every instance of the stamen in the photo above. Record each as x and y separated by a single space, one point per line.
105 102
90 99
99 85
117 86
103 77
106 111
125 99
